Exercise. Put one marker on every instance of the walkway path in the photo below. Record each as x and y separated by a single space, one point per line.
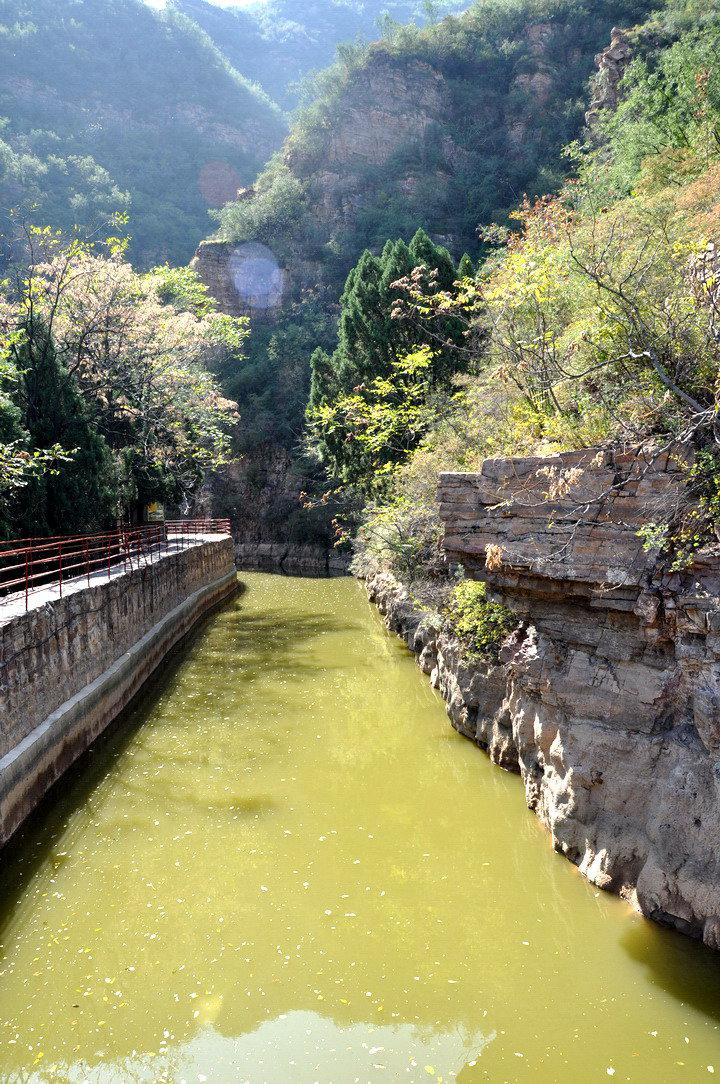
14 605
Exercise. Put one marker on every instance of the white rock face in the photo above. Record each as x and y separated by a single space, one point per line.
607 698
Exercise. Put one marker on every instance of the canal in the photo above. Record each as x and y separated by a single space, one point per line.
287 867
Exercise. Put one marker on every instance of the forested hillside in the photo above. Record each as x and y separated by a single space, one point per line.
279 43
113 106
442 128
593 321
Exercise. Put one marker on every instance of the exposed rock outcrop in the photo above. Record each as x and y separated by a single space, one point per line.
388 108
244 279
607 695
612 63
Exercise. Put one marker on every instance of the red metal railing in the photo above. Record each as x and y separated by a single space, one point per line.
28 565
192 528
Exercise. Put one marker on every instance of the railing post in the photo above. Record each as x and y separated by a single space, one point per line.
87 561
27 582
60 566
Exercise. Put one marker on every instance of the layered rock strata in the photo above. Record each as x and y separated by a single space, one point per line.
606 697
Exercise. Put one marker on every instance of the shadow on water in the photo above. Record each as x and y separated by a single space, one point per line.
261 643
683 968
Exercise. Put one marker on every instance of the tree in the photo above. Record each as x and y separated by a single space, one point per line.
371 336
466 268
366 434
85 493
117 373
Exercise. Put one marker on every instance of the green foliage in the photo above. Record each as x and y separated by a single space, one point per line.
273 381
374 398
491 134
466 268
276 205
669 115
280 42
480 625
83 493
403 534
364 436
105 380
371 336
181 288
38 182
115 105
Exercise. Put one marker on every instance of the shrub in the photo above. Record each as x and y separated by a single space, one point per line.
480 625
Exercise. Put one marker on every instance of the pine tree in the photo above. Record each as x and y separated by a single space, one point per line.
370 338
466 269
434 257
83 494
323 379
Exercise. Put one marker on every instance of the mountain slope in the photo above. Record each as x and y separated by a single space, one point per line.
443 128
277 44
145 97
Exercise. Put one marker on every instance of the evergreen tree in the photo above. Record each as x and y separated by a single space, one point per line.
323 379
466 269
423 251
83 494
362 348
370 338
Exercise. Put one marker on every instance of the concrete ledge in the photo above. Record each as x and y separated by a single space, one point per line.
29 770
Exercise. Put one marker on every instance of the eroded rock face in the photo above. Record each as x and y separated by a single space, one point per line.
387 107
290 559
245 279
392 103
607 696
611 63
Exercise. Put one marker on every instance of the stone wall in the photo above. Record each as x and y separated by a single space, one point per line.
606 698
291 559
69 667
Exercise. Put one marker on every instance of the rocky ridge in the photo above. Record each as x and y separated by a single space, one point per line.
606 698
611 64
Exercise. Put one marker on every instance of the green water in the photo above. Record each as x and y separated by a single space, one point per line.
288 868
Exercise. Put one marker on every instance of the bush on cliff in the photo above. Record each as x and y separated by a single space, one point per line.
480 625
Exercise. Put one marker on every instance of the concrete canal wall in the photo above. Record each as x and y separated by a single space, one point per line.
70 665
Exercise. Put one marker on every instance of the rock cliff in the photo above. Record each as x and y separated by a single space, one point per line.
611 63
439 129
387 111
607 696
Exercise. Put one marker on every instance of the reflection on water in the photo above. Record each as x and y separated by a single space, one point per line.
287 868
302 1047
